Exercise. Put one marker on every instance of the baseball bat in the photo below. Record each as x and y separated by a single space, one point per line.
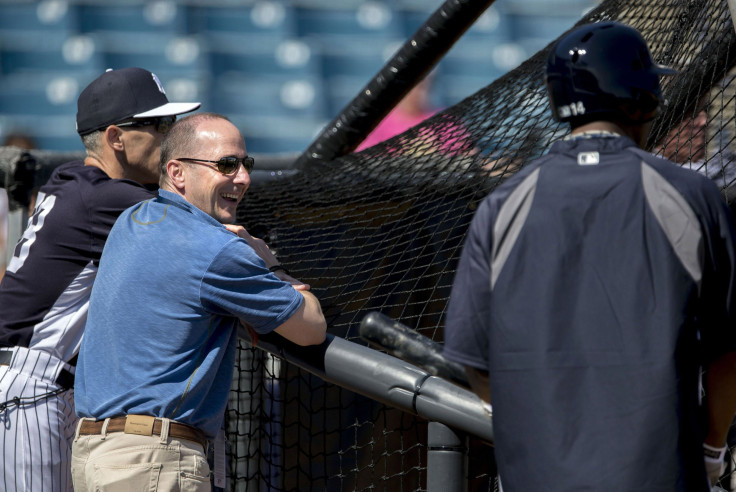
404 343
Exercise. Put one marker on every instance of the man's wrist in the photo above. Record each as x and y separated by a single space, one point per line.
713 453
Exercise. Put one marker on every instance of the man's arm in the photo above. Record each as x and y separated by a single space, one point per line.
307 326
720 391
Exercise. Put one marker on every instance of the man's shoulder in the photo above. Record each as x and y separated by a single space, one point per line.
94 187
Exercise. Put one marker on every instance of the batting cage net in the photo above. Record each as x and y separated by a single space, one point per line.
382 229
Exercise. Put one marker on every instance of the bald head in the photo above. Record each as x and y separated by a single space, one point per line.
181 139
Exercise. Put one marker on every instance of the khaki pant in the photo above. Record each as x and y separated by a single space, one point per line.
110 462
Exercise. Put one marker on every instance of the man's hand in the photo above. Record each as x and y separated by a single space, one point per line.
264 252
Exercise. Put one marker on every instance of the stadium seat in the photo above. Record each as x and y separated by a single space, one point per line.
41 94
53 20
548 7
474 58
56 133
452 89
535 31
77 53
276 135
265 22
280 96
375 19
44 106
288 58
132 16
357 57
491 26
156 52
341 90
536 23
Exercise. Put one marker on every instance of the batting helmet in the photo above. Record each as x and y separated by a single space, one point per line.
603 70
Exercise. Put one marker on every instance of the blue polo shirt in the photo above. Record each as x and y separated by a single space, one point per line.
160 338
593 286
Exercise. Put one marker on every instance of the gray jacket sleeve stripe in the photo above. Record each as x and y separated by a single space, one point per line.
677 219
511 218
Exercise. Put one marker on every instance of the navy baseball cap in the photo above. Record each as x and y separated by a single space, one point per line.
119 95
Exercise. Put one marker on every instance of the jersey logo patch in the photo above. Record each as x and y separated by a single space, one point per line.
589 158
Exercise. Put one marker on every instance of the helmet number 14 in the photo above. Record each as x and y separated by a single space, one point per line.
573 109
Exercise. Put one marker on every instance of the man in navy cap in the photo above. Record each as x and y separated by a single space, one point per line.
121 117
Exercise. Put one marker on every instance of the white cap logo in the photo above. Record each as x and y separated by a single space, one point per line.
159 84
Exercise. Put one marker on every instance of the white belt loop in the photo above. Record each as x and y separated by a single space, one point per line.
165 423
79 427
104 428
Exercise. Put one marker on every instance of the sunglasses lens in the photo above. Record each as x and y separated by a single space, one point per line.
227 165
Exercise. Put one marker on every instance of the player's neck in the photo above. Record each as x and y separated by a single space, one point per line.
637 133
599 126
98 162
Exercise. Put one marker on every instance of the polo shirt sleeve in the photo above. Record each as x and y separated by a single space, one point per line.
467 323
237 283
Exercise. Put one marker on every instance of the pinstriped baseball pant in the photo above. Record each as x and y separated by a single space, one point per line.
35 432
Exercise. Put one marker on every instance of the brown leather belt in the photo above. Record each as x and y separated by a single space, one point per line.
117 424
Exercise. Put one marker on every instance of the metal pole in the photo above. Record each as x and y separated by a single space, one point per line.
386 379
447 459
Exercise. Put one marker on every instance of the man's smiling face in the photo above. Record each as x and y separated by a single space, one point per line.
215 193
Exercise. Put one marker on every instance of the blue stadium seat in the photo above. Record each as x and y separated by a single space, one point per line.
375 19
75 54
357 57
452 89
133 16
491 26
53 20
341 90
264 22
43 106
535 32
288 58
545 7
56 133
474 58
41 94
351 64
157 52
276 135
277 96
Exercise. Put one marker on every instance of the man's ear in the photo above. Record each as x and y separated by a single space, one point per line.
176 171
112 138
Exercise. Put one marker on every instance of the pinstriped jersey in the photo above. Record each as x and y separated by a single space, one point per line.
593 285
45 292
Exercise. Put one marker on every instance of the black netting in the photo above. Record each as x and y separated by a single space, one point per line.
382 230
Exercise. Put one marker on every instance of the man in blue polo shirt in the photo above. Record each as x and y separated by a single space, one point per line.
174 283
593 287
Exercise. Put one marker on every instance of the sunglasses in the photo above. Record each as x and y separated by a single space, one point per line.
162 123
226 165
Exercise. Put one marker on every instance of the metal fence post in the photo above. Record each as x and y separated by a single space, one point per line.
447 459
